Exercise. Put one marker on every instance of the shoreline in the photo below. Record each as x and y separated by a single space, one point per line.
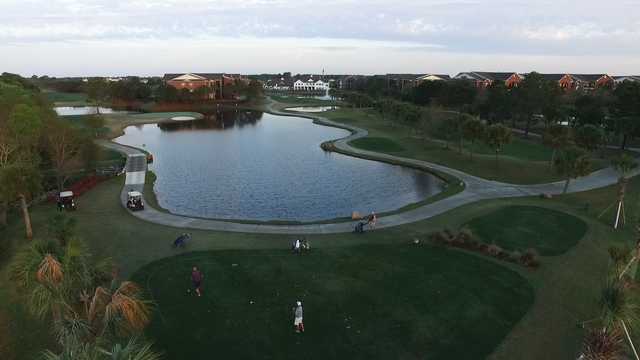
451 184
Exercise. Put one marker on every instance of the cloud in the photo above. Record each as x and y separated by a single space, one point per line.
420 27
341 28
583 31
71 31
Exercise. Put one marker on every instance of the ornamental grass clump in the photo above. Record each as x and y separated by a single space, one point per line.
465 239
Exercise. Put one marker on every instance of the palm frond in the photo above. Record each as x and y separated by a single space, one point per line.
133 350
26 262
603 344
129 314
42 302
74 350
77 266
99 300
71 327
619 302
50 271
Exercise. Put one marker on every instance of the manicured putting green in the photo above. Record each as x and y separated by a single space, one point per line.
362 302
377 144
549 231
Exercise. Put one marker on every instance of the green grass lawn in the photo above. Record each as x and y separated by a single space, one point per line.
548 330
374 302
65 97
520 148
524 161
513 167
378 144
562 297
566 286
548 231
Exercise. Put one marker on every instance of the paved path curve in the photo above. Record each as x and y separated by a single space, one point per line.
476 189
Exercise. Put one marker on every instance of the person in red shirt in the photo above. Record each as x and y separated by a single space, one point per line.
196 279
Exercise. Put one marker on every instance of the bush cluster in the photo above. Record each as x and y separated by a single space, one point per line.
464 239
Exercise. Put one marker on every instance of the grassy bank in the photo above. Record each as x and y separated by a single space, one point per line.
66 98
550 232
524 161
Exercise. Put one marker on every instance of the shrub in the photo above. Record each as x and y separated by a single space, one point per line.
474 244
530 258
438 237
449 236
515 256
619 255
494 250
465 235
61 227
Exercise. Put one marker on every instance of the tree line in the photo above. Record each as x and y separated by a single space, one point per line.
38 150
535 102
574 133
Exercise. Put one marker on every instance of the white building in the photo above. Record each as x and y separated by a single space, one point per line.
310 85
621 79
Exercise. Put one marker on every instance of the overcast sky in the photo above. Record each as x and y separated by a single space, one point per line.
151 37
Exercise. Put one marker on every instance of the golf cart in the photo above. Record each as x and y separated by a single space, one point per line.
66 201
134 201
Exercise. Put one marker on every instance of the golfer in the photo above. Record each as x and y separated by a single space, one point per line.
196 279
372 220
297 317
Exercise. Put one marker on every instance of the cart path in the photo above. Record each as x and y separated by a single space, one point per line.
476 189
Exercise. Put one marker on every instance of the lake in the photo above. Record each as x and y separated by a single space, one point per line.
259 166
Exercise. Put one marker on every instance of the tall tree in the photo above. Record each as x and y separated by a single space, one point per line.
589 109
97 91
21 180
572 162
557 137
626 110
623 165
473 130
63 146
496 136
95 123
21 136
531 94
589 137
65 285
498 103
20 125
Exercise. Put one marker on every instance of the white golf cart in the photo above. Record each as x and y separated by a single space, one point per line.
66 201
134 201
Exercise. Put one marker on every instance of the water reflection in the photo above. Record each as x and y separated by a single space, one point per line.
219 120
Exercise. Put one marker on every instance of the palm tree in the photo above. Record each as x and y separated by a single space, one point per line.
38 270
20 180
119 309
557 137
473 130
573 163
52 277
620 306
623 165
496 136
132 350
602 344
